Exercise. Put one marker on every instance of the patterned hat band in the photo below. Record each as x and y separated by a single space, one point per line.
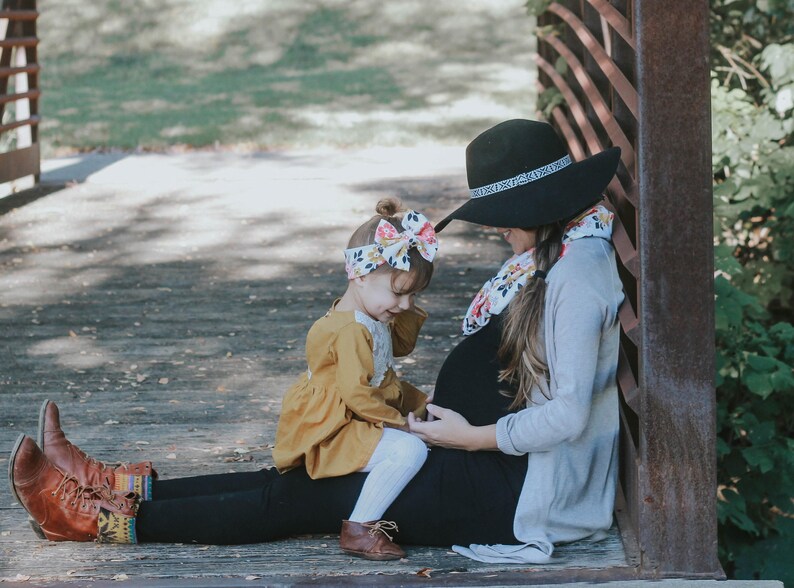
522 178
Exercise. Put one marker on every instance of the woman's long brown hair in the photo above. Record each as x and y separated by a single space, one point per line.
520 350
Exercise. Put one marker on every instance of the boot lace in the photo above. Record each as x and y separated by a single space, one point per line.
69 487
382 527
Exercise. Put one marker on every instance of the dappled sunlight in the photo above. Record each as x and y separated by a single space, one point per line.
72 351
48 284
143 232
263 73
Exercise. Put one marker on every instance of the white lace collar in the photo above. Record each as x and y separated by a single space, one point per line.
382 353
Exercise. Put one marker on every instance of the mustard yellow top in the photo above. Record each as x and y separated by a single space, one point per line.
333 416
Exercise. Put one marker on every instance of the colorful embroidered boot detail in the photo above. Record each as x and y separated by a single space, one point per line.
114 527
141 485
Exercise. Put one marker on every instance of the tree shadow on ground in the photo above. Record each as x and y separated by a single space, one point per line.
273 75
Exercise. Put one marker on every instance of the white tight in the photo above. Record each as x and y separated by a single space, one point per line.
396 459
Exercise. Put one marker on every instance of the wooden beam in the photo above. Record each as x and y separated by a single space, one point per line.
677 482
20 163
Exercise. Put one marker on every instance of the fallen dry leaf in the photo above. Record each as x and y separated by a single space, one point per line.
247 457
162 381
424 572
72 333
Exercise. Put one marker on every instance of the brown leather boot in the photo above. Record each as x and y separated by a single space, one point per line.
64 509
136 477
370 540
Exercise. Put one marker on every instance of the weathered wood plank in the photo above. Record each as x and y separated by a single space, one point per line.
156 319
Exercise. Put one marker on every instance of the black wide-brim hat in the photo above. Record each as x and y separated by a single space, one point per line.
521 176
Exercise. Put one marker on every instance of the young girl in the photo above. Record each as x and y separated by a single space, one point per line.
347 412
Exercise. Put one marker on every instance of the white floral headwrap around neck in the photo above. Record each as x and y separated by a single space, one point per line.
497 292
391 246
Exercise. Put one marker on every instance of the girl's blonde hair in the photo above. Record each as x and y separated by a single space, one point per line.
421 270
520 350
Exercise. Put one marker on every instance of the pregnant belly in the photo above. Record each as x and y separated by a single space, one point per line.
468 381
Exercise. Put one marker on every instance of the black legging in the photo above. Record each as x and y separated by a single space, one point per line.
458 497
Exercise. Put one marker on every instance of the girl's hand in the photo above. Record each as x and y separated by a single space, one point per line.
403 427
429 417
449 429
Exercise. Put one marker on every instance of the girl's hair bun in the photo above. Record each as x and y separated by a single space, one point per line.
389 207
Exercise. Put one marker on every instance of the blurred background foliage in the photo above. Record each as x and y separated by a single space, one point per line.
752 63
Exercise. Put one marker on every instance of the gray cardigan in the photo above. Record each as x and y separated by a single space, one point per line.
571 440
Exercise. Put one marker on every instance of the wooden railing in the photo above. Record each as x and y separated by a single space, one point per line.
634 73
19 68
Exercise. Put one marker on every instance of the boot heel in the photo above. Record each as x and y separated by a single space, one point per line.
40 434
33 524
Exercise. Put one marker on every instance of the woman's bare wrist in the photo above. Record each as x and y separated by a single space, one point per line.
483 438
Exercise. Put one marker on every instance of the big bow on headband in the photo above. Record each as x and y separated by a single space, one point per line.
391 246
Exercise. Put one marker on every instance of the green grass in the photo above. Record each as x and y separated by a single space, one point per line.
148 75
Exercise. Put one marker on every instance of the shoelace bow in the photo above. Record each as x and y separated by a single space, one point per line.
382 527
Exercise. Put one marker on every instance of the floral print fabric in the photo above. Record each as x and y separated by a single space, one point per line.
391 246
496 293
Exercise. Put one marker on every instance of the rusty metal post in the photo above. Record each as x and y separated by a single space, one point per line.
677 493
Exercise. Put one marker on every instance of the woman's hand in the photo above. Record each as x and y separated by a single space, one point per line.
449 429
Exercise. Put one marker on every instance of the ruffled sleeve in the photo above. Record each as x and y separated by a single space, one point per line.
352 353
405 330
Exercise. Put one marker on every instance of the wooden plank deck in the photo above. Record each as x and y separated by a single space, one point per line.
162 301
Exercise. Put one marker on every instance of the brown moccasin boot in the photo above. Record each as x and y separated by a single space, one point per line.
64 509
370 540
63 454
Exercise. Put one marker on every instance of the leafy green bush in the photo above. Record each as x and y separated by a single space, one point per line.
752 101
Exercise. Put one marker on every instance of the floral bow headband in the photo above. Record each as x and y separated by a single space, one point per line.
391 246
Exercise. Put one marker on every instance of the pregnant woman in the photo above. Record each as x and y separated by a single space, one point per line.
524 422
